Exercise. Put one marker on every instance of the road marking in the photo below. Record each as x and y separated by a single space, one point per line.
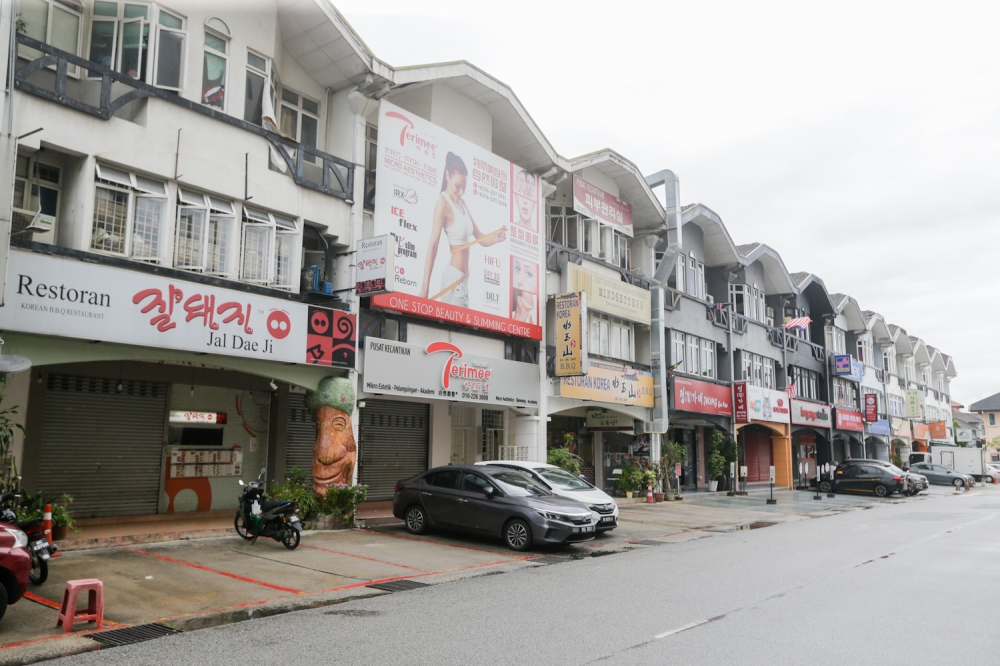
685 627
367 530
211 570
362 557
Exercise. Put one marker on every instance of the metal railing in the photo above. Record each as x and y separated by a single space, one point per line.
337 175
552 263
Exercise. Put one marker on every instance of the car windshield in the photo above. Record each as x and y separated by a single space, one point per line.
560 478
894 469
519 485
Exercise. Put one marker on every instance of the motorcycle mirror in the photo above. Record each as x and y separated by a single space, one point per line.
241 482
263 471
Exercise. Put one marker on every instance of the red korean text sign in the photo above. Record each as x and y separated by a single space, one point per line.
740 402
849 420
691 395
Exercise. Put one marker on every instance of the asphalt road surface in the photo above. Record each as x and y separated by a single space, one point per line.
914 583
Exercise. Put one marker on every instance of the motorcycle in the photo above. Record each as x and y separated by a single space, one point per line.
258 516
38 544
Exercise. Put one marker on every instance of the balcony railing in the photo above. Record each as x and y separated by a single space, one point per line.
335 179
720 317
552 263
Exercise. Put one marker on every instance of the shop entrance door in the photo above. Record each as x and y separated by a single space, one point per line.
394 437
758 454
102 445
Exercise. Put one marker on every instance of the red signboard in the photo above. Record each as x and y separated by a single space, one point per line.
454 314
848 420
594 202
740 401
921 431
691 395
871 407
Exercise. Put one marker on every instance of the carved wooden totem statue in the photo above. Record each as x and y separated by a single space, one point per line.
335 453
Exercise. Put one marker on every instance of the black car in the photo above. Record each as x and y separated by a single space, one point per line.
863 478
915 482
492 501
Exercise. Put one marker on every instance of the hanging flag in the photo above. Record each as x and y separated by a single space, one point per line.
800 323
791 391
270 122
721 306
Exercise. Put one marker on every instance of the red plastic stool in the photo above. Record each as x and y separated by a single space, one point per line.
95 603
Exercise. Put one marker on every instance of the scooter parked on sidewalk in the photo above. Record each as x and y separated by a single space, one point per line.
258 516
38 543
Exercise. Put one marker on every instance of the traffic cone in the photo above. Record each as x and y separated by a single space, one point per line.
649 493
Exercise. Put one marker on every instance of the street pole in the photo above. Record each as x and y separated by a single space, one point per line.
732 395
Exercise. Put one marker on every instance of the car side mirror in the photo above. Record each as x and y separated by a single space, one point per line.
488 491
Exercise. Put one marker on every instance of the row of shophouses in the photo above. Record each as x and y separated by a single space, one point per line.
214 207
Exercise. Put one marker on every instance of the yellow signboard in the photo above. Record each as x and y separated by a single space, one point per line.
605 382
610 295
571 332
914 403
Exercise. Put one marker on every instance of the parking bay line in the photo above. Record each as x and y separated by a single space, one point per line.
211 570
362 557
436 543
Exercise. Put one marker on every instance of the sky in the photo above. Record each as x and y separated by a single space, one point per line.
861 140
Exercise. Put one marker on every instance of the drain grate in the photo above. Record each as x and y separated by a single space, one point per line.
399 585
648 542
550 559
130 635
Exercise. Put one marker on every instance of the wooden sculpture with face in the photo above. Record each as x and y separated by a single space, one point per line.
335 452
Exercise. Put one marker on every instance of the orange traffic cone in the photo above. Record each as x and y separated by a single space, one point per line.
649 493
47 524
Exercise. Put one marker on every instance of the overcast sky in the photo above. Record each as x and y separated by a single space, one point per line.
861 140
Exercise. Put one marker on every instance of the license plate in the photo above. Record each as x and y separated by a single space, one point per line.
39 545
608 519
589 528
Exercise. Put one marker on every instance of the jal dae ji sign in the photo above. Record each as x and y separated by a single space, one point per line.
466 226
64 297
571 334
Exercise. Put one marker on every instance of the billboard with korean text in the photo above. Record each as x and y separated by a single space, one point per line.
467 227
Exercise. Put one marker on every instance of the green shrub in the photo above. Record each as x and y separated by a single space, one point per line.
716 465
630 479
298 487
561 457
343 500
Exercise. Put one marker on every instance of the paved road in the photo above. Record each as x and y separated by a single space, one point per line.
912 582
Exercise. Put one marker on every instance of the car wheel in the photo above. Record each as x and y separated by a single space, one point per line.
825 486
959 483
881 491
517 535
416 520
3 600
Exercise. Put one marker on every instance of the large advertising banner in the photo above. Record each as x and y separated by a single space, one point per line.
467 227
691 395
594 202
64 297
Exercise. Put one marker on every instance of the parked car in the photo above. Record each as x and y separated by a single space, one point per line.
492 501
992 473
914 483
15 565
564 484
865 477
942 476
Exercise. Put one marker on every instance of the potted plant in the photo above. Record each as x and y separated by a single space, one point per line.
630 479
648 479
566 459
673 453
716 464
62 522
658 493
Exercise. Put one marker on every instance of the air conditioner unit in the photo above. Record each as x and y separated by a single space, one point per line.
710 298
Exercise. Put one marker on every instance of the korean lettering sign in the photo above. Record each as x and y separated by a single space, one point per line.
63 297
740 402
571 334
594 202
605 382
849 420
691 395
375 266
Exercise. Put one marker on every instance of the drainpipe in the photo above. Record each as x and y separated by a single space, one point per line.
361 106
657 289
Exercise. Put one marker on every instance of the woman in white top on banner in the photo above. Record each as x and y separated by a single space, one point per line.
452 216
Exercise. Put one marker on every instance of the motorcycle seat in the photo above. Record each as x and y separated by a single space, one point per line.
267 505
29 523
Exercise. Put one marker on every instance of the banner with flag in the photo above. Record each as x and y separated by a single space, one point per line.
801 323
791 390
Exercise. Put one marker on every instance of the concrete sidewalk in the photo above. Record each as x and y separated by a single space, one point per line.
205 582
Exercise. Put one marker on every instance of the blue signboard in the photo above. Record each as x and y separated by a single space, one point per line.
880 427
846 367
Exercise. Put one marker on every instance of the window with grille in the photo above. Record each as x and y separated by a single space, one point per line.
202 232
493 433
806 383
844 393
269 248
129 212
37 190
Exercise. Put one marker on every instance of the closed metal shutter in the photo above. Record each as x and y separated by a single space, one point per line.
301 434
394 444
103 446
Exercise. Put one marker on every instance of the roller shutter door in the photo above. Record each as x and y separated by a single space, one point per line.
394 444
103 446
301 434
758 454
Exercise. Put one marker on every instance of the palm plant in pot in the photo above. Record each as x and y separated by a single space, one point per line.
716 464
672 454
630 479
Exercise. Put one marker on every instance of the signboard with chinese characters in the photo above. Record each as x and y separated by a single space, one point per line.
871 407
610 295
914 403
65 297
591 201
442 371
939 429
740 402
846 367
374 266
691 395
849 420
571 334
811 414
606 382
197 418
465 226
605 419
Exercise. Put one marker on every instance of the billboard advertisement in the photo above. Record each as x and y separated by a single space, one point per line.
467 228
571 333
63 297
592 201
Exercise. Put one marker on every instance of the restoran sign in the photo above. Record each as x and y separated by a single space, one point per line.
464 225
443 371
69 298
605 382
